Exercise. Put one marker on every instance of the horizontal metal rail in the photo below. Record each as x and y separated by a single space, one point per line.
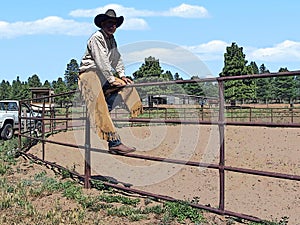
220 122
178 161
145 193
265 124
263 75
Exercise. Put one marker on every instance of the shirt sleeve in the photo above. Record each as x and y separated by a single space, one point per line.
99 52
120 68
117 62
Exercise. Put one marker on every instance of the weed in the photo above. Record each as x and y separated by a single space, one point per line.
98 185
7 155
283 221
182 211
5 202
118 199
126 211
3 168
72 191
40 176
88 202
157 209
16 200
65 174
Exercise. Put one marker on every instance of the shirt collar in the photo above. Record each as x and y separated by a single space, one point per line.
105 34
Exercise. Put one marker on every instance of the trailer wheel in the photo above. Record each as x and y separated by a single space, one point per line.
7 132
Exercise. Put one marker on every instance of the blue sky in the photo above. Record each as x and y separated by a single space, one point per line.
41 37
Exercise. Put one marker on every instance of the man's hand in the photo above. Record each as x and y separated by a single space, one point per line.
127 80
117 83
121 82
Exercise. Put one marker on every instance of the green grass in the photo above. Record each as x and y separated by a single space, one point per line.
18 199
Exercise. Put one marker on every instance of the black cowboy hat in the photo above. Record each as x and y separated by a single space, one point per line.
109 14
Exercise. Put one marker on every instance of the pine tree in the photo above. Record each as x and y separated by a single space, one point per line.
71 75
284 87
264 86
59 86
235 64
168 75
177 76
47 84
195 89
297 81
150 68
16 89
5 90
34 81
151 71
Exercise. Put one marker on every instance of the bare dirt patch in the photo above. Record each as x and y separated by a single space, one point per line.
269 149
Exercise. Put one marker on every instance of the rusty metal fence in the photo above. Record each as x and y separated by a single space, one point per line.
221 121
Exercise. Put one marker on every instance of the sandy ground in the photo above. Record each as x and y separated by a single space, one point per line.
260 148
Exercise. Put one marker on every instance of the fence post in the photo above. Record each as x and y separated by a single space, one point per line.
43 131
271 115
221 125
166 113
87 148
67 116
51 121
19 127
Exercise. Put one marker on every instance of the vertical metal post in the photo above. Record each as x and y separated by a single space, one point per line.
166 113
87 165
19 127
53 121
271 115
43 131
67 116
221 125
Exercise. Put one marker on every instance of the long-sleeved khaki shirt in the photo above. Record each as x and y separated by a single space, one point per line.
102 55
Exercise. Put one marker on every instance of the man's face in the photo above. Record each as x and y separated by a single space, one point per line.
109 26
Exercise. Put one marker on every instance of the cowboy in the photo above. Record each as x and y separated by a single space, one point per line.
102 80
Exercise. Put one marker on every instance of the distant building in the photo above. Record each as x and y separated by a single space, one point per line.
180 99
39 95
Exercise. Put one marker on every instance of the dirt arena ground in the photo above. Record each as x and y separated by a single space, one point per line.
260 148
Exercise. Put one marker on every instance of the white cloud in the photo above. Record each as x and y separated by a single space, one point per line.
193 59
286 51
47 25
58 25
184 10
134 24
167 53
132 21
212 46
188 11
133 16
119 9
213 50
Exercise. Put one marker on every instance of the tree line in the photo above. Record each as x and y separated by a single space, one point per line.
275 89
279 89
19 90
